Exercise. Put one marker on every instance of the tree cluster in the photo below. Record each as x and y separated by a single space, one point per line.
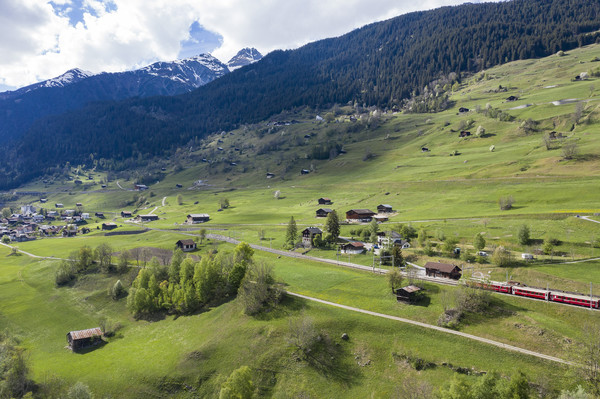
14 381
86 260
186 286
489 386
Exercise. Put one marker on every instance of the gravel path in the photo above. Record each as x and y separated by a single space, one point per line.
440 329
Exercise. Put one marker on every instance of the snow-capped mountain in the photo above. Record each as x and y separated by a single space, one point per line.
71 76
74 89
245 56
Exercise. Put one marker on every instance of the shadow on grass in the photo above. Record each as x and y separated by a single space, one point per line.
289 305
498 309
92 348
332 360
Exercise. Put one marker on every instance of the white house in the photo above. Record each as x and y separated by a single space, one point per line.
352 248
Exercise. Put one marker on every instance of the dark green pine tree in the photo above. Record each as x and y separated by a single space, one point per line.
292 233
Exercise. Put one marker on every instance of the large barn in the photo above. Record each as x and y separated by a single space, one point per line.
435 269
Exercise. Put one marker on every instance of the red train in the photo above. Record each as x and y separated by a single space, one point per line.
538 293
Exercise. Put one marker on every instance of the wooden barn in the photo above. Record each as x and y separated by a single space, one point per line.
126 214
359 215
384 208
186 245
325 201
435 269
84 338
147 218
409 293
195 218
109 226
323 212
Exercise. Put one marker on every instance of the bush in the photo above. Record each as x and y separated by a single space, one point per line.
506 203
79 391
470 299
258 290
117 291
524 235
239 385
394 278
450 318
502 257
65 273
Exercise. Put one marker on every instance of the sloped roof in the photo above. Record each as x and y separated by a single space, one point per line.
313 230
361 211
186 242
198 215
328 210
442 267
411 288
83 334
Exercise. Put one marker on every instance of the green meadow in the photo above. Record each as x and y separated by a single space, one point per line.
452 190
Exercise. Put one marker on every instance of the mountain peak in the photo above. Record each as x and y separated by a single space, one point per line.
245 56
71 76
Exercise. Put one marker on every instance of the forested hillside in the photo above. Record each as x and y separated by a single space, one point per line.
381 64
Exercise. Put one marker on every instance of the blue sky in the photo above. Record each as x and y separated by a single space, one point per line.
41 39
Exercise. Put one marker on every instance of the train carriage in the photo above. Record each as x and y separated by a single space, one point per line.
575 299
531 292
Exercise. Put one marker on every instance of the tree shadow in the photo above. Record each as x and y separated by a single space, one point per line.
332 360
289 305
486 135
498 309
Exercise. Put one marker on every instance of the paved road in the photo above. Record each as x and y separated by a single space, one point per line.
163 201
440 329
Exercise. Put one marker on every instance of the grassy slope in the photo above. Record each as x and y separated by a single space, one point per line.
422 186
202 350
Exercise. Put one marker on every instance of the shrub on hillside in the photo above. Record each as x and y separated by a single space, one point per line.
258 290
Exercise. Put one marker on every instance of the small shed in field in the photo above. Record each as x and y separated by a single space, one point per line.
323 212
186 245
147 218
407 294
195 218
325 201
384 208
84 338
109 226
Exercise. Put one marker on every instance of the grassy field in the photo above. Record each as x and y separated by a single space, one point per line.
184 352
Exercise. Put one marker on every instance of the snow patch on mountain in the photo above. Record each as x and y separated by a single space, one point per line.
245 56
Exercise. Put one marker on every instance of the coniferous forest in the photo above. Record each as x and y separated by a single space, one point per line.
381 64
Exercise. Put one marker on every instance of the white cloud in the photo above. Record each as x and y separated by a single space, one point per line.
116 35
